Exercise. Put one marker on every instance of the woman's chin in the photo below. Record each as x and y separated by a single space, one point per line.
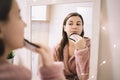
19 46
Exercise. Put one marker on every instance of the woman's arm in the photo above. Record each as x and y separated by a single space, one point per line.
49 70
82 58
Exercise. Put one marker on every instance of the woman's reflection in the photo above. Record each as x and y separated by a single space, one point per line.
74 48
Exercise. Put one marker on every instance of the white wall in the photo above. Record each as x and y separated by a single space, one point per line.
109 51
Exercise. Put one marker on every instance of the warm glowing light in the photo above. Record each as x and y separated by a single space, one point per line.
102 63
103 28
114 45
92 77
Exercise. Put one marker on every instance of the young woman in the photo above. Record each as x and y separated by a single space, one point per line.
12 37
74 50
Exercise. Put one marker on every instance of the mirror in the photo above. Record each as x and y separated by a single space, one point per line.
46 26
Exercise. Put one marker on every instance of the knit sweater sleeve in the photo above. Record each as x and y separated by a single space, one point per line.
82 59
54 72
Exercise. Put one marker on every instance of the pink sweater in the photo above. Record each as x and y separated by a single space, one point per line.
9 71
73 64
54 72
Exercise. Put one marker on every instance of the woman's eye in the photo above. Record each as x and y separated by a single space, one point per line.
78 24
70 24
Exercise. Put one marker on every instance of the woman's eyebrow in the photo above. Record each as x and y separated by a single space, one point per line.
79 21
70 21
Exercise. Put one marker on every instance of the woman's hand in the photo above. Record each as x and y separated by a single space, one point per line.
80 44
46 55
78 41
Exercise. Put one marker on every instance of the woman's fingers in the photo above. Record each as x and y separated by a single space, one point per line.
80 44
75 37
46 55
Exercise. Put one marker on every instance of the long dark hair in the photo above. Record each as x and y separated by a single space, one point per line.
64 40
5 7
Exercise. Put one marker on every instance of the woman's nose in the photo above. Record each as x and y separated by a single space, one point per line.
74 26
25 24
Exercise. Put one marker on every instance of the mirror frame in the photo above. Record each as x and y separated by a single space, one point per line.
95 28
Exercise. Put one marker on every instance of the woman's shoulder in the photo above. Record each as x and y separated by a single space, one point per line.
87 40
15 72
26 73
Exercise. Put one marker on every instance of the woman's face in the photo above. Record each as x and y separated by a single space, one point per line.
13 29
73 25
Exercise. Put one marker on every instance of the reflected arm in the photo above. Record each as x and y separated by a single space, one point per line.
82 58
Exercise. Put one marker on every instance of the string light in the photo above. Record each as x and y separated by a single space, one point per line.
102 63
114 45
103 28
91 77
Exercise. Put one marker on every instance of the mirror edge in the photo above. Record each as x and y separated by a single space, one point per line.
50 2
95 41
